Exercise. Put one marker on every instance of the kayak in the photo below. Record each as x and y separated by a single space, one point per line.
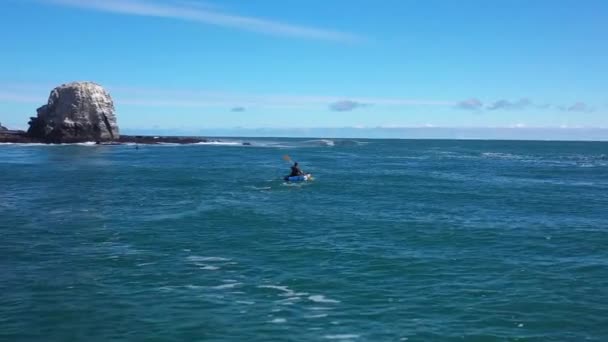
303 178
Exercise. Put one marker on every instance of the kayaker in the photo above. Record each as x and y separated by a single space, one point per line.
295 170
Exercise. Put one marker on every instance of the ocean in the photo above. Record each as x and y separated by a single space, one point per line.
394 240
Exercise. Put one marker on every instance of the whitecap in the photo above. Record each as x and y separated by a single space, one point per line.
226 286
27 144
316 316
341 337
319 142
209 268
288 301
499 155
246 302
166 289
278 320
322 299
200 258
253 187
220 143
284 289
145 264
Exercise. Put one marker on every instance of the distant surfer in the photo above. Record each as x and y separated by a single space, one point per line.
295 170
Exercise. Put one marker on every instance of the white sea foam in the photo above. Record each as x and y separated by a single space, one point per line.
318 142
341 337
288 301
166 288
322 299
253 187
209 268
278 320
27 144
284 289
220 143
165 144
145 264
499 155
246 302
226 286
201 258
316 316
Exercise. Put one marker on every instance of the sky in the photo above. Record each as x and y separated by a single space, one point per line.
184 65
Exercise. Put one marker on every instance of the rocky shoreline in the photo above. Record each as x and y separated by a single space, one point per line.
21 137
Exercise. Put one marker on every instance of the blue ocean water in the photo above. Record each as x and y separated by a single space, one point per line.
394 240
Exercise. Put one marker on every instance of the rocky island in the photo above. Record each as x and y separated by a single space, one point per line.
81 112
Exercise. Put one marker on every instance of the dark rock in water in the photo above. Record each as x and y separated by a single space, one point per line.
21 137
76 112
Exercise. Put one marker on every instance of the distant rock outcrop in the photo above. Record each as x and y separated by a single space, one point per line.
76 112
2 128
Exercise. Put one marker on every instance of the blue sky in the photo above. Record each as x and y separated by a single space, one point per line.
181 65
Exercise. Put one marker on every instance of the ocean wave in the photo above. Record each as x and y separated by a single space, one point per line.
575 160
318 142
503 155
201 258
341 337
208 267
226 286
220 143
86 143
322 299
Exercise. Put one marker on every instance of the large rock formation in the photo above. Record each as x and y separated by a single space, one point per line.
76 112
2 128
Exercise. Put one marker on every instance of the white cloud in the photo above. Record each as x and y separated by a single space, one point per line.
206 15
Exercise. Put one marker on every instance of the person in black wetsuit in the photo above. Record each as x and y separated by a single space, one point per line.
295 170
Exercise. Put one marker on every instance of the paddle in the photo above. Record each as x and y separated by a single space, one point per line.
287 158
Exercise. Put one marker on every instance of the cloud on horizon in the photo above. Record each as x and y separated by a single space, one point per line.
580 107
346 106
511 105
237 109
470 104
204 14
